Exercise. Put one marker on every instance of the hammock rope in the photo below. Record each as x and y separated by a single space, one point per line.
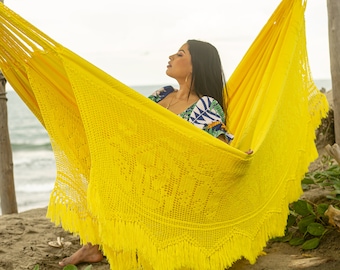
173 194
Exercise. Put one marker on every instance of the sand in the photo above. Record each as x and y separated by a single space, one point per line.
24 239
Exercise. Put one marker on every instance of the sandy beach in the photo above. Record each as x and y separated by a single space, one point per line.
24 239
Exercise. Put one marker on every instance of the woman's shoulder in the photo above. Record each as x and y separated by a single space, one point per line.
209 100
213 116
162 92
211 104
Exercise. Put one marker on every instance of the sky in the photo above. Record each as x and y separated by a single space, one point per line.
132 39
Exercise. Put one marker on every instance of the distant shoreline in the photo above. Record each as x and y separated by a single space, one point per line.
323 83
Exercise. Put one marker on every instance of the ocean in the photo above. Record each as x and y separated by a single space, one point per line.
34 165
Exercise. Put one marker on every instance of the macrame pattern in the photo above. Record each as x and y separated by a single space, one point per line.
176 198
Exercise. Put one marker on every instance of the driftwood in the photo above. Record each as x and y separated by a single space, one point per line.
333 215
305 263
334 152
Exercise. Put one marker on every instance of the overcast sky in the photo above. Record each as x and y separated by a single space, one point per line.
132 39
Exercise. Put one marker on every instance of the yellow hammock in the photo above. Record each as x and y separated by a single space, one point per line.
139 180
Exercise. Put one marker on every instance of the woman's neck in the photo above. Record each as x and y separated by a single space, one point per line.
184 92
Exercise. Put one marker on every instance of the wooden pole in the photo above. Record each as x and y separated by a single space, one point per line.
333 7
7 190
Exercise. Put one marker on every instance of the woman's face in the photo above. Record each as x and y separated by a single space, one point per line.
180 67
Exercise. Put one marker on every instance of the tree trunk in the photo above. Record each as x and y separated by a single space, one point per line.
333 7
7 190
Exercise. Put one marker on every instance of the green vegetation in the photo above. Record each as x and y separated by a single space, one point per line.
307 222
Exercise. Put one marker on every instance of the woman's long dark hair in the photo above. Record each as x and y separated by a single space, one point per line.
207 73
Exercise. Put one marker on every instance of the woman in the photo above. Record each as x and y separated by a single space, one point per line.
198 70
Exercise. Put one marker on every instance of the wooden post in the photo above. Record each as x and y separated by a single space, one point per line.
7 190
333 7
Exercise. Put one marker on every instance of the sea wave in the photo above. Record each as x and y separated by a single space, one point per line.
29 146
34 188
34 160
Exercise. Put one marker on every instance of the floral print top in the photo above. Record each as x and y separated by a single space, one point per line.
206 113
